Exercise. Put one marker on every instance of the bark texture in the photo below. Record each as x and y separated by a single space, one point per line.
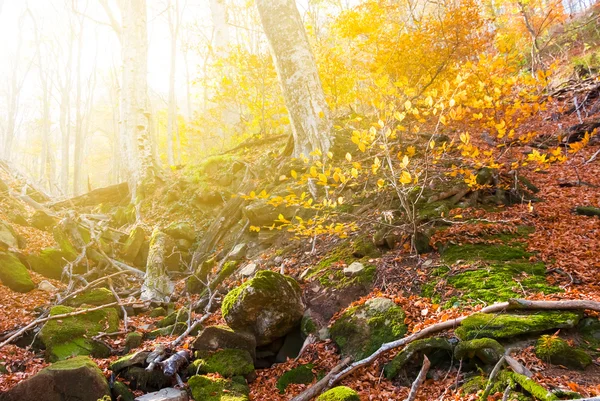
298 75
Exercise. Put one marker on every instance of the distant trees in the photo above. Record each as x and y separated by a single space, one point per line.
298 75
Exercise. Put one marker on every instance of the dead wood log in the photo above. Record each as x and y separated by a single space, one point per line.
157 284
175 362
419 380
113 194
513 304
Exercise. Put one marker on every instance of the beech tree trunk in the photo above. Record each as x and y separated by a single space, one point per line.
172 117
298 75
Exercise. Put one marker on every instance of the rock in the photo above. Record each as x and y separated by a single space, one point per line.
75 379
181 230
429 346
172 330
361 330
8 237
121 392
421 242
587 211
179 316
47 286
488 350
221 337
196 283
238 252
146 381
590 329
340 393
49 263
363 247
260 213
134 244
157 312
249 270
166 394
133 340
137 358
292 344
269 305
481 325
95 296
355 269
216 389
227 363
14 274
42 221
303 374
72 335
559 352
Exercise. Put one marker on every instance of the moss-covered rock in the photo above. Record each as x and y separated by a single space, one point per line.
49 262
74 379
361 330
330 270
227 363
364 247
269 306
137 358
559 352
172 330
158 312
96 296
134 244
8 236
481 325
426 346
14 274
588 211
196 283
590 329
303 374
181 230
487 350
133 340
216 389
121 392
340 393
71 336
42 221
141 379
182 315
218 337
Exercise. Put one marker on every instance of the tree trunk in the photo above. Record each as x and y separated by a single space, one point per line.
157 285
172 117
298 75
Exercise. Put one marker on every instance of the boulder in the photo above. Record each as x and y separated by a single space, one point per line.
249 270
8 237
166 394
487 350
49 262
221 337
122 392
340 393
269 305
141 379
361 330
181 230
137 358
14 274
434 348
481 325
355 269
260 213
75 379
71 336
47 286
95 296
134 244
226 362
133 340
42 220
559 352
303 374
238 252
207 388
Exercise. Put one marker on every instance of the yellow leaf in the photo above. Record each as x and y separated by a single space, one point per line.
340 200
380 183
254 229
405 162
410 151
313 171
348 157
323 178
405 178
294 174
408 105
354 173
330 155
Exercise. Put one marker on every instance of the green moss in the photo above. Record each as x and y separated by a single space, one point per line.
474 384
308 325
134 243
96 297
14 274
491 252
72 335
49 263
158 312
430 211
340 393
361 330
173 330
181 315
558 352
480 325
64 243
215 389
533 388
227 363
133 340
364 247
487 350
588 211
122 392
301 375
393 368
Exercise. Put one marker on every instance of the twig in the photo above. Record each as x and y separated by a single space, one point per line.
322 384
491 379
92 285
506 393
419 380
112 289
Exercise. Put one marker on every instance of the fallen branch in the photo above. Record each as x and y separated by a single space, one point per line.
321 385
491 379
21 331
519 304
419 380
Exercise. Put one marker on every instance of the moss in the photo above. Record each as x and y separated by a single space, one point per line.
487 350
65 244
393 368
121 392
430 211
96 296
14 274
480 325
308 326
491 252
364 247
587 211
158 312
49 263
533 388
227 363
181 315
195 284
133 340
216 389
303 374
175 329
361 330
134 243
72 335
340 393
559 352
330 274
474 384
